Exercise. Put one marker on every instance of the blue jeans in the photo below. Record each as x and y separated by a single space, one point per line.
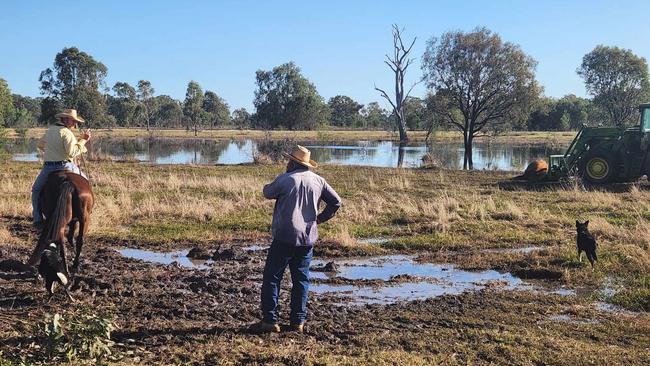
298 259
40 181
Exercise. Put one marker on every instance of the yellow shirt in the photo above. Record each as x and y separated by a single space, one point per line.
60 144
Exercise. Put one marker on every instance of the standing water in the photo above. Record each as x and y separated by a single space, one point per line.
491 156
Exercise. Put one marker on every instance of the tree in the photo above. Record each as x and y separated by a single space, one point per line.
145 95
241 118
399 63
479 82
344 111
123 106
618 81
7 110
416 114
169 112
74 82
192 107
374 116
28 110
285 98
216 109
566 113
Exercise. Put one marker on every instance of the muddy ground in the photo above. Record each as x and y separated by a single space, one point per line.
169 314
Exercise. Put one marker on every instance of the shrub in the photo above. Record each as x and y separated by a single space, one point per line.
79 337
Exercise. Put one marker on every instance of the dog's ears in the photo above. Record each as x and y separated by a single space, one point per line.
577 223
586 222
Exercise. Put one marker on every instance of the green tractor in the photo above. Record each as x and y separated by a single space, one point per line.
606 154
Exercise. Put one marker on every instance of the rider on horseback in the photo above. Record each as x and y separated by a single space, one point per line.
60 148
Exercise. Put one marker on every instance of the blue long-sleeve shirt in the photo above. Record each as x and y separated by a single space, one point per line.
295 216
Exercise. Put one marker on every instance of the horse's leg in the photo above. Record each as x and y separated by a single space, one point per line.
70 236
83 228
61 244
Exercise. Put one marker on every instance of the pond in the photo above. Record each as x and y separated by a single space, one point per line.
490 156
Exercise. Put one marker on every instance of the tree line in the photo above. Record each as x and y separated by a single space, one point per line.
476 83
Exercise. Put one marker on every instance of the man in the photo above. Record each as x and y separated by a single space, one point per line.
295 217
60 148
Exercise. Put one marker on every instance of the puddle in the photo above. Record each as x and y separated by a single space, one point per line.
372 240
179 257
255 248
433 280
512 250
564 318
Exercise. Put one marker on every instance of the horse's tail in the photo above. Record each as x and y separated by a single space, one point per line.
57 221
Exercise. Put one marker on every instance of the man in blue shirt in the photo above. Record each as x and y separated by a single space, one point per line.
297 194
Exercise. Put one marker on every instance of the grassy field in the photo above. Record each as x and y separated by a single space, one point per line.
457 217
323 135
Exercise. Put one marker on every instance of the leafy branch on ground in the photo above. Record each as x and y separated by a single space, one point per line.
80 337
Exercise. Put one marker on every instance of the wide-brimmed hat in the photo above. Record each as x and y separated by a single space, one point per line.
302 155
71 113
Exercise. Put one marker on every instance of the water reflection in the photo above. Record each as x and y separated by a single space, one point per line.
367 153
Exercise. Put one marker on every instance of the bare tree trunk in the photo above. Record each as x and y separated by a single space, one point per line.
464 150
400 154
398 63
468 152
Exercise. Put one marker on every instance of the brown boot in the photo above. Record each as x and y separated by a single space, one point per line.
300 328
264 327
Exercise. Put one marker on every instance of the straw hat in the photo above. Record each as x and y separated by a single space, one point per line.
71 113
301 155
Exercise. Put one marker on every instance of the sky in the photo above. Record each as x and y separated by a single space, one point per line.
339 45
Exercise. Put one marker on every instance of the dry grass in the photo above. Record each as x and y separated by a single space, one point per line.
529 137
426 210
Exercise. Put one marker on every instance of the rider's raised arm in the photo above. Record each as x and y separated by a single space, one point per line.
73 146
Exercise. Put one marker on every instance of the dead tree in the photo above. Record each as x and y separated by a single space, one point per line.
398 63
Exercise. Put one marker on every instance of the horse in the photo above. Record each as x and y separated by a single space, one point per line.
67 200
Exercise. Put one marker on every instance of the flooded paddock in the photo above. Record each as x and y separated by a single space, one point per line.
487 156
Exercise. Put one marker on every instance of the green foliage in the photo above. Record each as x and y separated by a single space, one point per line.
344 112
74 82
216 109
81 336
193 105
148 105
286 99
618 81
6 104
567 113
490 81
417 115
27 111
169 112
374 116
123 105
241 118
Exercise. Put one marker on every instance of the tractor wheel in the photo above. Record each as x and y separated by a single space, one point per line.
599 168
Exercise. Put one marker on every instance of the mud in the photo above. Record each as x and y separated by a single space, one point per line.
174 311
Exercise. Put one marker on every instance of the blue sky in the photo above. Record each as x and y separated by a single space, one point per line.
339 45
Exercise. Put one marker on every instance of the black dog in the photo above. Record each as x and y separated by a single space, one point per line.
52 269
586 242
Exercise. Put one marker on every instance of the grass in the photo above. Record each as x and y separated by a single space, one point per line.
526 137
432 211
443 216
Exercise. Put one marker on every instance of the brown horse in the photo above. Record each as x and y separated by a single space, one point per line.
67 200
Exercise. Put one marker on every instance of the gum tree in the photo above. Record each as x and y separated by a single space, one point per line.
478 82
618 81
193 105
74 82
